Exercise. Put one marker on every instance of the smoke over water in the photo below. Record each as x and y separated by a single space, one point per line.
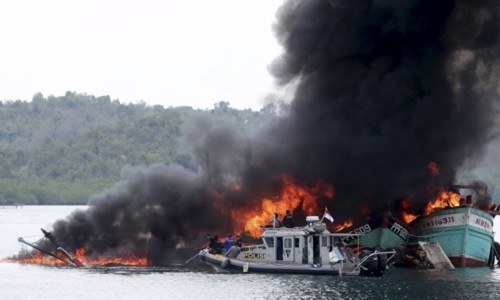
391 98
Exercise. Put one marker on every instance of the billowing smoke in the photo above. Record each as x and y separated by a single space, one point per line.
382 89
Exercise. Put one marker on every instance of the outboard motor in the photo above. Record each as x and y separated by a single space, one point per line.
225 263
375 265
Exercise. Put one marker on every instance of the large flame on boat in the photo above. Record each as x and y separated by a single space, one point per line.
291 197
444 199
83 256
38 258
407 216
102 260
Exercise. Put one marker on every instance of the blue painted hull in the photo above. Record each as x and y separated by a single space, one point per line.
464 233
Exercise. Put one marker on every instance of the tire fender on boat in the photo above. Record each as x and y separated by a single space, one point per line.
225 263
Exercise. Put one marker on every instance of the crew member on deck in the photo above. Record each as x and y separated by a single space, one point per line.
288 220
238 240
275 221
234 250
214 245
228 243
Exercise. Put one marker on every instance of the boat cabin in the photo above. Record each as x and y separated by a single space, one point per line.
310 249
312 244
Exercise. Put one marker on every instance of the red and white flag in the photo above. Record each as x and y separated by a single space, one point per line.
327 215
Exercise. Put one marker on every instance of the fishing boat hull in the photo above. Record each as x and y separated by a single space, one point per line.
384 233
464 233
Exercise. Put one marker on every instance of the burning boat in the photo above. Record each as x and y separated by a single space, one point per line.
49 251
49 246
462 228
465 233
310 249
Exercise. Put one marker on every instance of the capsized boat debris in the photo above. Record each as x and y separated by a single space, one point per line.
48 245
310 249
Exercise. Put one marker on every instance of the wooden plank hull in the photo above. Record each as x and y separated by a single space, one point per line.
464 233
382 233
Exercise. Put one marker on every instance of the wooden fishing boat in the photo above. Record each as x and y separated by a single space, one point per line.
465 233
382 233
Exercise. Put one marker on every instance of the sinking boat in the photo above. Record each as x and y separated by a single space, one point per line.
50 247
311 249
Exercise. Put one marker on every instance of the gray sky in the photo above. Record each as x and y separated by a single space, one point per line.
166 52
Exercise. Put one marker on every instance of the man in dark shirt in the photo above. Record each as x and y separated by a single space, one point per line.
288 220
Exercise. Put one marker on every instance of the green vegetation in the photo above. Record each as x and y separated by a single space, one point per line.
62 150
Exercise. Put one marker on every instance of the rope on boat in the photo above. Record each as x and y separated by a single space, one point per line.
192 258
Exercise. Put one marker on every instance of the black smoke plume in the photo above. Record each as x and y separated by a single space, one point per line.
382 88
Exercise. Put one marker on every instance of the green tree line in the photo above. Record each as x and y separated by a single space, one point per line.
62 150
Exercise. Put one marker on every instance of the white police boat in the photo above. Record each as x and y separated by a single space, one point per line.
311 249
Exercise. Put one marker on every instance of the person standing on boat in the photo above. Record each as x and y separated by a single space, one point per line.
237 240
288 220
275 221
234 250
228 243
214 245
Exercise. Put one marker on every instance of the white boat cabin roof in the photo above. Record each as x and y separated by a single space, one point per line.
310 229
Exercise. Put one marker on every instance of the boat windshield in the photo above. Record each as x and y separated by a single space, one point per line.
269 241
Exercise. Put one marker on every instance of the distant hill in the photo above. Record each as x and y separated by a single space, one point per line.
61 150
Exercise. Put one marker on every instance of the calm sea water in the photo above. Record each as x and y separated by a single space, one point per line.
18 281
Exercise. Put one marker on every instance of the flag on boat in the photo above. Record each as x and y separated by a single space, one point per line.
327 215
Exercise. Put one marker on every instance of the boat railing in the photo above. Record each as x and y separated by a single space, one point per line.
252 247
392 253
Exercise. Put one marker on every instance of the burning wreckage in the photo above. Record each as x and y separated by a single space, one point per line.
309 249
391 102
48 251
452 232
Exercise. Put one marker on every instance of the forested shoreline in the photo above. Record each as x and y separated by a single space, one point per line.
64 149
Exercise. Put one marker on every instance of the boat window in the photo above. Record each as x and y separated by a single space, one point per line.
269 242
288 243
297 242
324 241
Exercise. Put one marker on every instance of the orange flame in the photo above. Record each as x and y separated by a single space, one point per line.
407 216
38 258
102 260
444 199
343 226
291 197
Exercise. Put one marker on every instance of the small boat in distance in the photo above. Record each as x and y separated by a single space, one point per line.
310 249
